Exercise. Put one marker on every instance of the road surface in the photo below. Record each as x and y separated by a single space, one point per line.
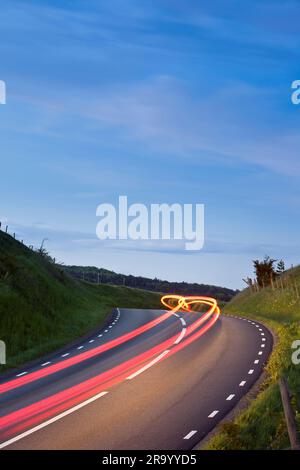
152 391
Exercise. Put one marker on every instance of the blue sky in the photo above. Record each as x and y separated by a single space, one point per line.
164 101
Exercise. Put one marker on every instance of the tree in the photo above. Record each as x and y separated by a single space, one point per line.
264 271
280 267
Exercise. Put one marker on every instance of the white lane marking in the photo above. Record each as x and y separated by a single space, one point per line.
257 326
80 347
256 361
251 371
106 331
22 373
52 420
110 326
91 341
262 345
262 334
99 336
213 414
66 354
260 353
242 383
230 397
147 366
176 315
260 329
183 321
45 364
263 339
190 434
183 331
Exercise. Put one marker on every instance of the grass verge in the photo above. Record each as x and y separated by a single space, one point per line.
262 425
42 308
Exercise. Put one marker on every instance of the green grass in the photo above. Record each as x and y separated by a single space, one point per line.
262 424
42 308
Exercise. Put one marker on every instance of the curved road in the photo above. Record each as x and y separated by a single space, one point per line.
152 391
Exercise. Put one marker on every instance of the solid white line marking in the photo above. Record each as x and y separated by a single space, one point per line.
213 414
176 315
251 371
183 321
190 434
46 363
147 366
64 355
242 383
52 420
230 397
22 373
180 336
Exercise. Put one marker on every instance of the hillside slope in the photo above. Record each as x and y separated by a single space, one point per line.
262 425
104 276
42 308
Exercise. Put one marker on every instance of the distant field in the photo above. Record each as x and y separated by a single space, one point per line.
262 425
42 308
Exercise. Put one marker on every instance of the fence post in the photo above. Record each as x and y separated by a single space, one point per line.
289 414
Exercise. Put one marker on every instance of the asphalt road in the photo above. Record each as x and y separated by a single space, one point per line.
153 391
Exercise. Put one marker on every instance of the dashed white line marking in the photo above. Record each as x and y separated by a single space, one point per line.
65 355
99 336
213 414
45 364
180 336
230 397
242 383
80 347
147 366
183 321
91 340
263 339
176 315
262 345
251 371
260 329
260 353
110 326
52 420
262 334
22 373
106 331
190 434
256 361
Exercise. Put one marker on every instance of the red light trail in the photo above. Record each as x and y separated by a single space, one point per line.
31 415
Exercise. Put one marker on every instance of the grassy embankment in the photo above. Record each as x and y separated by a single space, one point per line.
262 424
42 308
